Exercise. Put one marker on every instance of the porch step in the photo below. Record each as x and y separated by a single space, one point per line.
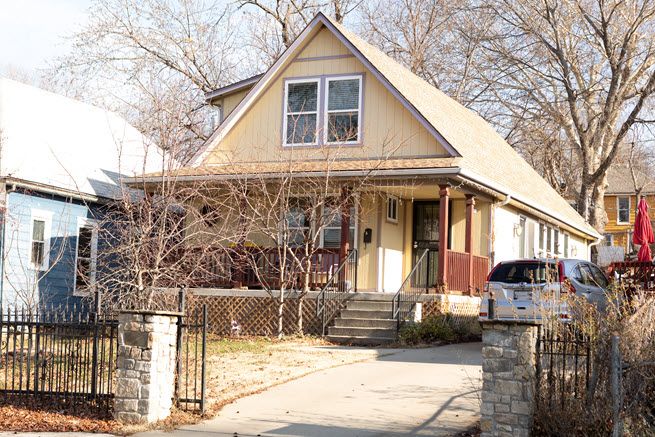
370 305
348 331
365 323
365 314
360 341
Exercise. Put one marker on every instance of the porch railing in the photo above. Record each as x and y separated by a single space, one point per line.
458 272
225 268
406 297
341 281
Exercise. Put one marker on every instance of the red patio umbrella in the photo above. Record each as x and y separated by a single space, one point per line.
643 234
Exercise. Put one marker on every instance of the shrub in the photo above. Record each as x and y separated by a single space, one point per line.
429 330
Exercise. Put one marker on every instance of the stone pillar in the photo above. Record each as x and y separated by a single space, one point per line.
508 378
145 367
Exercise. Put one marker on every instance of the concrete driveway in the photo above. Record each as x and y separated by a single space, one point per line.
432 391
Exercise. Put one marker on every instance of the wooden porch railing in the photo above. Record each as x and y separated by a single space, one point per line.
633 274
458 272
244 267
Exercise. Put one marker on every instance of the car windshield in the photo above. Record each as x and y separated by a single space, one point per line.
528 272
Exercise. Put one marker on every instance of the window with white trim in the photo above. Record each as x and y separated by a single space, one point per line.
39 255
298 221
342 110
331 237
566 245
623 210
392 209
86 256
301 99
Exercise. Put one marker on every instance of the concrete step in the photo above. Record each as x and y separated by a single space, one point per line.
362 332
365 323
365 314
369 305
360 341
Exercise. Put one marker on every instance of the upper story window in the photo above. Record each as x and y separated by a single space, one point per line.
40 240
343 110
623 210
301 112
324 110
86 254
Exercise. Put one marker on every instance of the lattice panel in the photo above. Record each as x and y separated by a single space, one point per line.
256 315
462 314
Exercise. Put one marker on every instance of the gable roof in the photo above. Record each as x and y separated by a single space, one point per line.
619 181
484 155
55 141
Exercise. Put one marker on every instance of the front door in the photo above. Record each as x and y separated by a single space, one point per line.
425 236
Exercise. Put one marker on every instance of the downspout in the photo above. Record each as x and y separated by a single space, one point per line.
598 240
492 220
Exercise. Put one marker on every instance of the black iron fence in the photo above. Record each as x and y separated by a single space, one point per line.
190 378
61 354
563 365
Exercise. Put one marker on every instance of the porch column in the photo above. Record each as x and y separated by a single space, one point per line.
470 206
345 223
444 195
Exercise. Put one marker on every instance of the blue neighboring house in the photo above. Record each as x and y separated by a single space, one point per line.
61 161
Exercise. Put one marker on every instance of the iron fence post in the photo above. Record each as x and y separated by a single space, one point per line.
203 385
181 306
617 428
94 366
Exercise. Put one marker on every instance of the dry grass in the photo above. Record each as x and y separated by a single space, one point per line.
236 367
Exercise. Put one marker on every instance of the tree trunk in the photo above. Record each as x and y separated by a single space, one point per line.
301 300
280 314
598 216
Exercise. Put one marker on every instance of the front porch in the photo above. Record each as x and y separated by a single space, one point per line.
391 229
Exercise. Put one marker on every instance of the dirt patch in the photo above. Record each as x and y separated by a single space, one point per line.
236 367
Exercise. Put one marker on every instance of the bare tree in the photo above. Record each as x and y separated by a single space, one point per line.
586 66
131 50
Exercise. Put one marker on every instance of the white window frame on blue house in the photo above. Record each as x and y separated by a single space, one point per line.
46 218
83 222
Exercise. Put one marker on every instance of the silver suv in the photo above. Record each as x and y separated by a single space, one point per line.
531 289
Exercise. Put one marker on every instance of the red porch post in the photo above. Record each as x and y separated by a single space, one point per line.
345 224
470 206
444 194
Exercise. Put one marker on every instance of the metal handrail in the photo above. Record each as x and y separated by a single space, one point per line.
404 296
335 288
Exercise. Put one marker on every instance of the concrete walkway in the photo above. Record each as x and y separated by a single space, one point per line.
413 392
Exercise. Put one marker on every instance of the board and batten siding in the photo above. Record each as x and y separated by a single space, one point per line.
387 127
55 284
506 240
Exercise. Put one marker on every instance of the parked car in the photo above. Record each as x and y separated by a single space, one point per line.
529 289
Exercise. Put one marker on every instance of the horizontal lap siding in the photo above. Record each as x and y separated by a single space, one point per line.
56 283
387 125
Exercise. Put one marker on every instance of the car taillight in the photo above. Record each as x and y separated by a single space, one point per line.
560 268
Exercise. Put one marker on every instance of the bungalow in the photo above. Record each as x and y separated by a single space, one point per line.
444 181
61 160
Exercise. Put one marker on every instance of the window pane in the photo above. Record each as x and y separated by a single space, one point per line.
301 129
84 242
302 97
343 94
38 230
83 273
343 127
37 253
624 209
332 238
296 218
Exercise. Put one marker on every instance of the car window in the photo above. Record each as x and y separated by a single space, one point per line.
598 276
587 276
577 275
529 272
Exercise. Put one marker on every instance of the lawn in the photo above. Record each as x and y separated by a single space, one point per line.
236 367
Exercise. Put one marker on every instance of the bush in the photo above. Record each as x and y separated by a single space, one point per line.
631 317
429 330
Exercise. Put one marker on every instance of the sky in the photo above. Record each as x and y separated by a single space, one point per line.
32 32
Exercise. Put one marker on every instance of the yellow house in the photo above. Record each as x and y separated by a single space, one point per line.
445 181
621 201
